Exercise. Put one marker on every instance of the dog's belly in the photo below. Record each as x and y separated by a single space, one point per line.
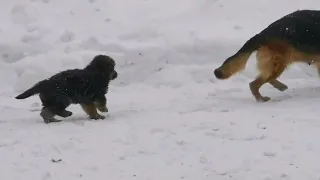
81 99
85 95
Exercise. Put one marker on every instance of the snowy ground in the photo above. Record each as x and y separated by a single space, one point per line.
169 117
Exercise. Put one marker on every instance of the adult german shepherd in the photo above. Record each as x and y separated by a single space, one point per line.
292 38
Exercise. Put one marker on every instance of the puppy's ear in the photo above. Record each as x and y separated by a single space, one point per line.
101 63
94 64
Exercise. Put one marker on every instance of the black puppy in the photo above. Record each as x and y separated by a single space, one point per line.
86 87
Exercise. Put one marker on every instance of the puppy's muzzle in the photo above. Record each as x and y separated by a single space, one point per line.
113 75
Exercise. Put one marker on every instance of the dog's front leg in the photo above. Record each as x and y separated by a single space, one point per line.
91 110
101 103
310 62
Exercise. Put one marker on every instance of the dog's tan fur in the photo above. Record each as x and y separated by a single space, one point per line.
91 110
272 59
291 39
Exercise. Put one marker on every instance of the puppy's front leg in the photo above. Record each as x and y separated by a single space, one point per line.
101 103
91 110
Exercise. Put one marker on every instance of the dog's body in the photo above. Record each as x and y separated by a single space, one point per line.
293 38
86 87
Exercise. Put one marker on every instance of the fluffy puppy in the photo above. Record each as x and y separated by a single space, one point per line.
86 87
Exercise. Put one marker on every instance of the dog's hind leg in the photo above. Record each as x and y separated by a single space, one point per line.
278 85
255 86
271 66
63 113
60 110
54 104
91 110
48 116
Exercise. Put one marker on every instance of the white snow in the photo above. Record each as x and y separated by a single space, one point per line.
169 117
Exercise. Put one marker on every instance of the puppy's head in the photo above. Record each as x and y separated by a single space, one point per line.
103 64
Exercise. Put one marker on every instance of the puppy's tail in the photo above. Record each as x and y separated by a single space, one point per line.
238 61
33 90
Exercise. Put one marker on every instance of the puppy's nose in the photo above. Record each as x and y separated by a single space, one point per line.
115 75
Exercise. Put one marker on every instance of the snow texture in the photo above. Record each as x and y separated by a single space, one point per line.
169 118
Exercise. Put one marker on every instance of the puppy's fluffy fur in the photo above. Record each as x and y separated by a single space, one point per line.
86 87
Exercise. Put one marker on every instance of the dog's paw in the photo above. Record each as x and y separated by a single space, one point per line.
282 88
98 116
263 99
103 109
51 120
65 113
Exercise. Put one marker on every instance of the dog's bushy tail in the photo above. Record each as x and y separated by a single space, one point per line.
238 61
32 91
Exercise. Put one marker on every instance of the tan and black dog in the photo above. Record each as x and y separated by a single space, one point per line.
86 87
292 38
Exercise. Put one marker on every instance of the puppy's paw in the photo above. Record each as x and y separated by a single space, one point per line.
51 120
97 116
102 109
101 117
65 113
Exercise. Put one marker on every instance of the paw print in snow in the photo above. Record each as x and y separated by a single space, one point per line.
67 36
